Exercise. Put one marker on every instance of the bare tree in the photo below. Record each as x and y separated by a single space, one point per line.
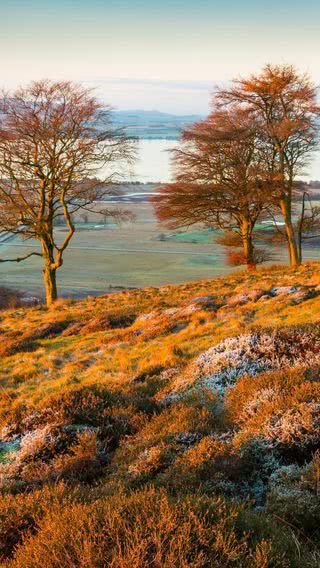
54 139
284 103
220 179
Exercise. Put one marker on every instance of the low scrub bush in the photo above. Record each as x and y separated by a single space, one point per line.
294 497
84 463
20 514
167 435
282 407
221 366
52 453
29 340
147 529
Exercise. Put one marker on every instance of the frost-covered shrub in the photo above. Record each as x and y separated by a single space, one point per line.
250 399
261 398
298 426
221 366
260 460
42 443
283 407
34 448
150 461
84 462
90 405
246 296
294 498
219 466
285 475
51 453
168 435
260 452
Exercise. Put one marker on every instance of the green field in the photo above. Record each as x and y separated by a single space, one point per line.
131 255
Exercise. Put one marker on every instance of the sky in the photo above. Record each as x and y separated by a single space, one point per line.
167 55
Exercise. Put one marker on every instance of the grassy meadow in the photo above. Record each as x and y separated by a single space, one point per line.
136 254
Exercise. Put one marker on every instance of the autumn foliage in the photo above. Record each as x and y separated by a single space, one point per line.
239 165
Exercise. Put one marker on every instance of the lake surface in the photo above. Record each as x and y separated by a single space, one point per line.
154 162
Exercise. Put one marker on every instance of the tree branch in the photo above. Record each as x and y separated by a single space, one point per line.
19 259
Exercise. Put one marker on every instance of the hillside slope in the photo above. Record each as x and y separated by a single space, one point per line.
173 426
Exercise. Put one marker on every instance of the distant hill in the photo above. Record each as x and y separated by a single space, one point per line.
153 124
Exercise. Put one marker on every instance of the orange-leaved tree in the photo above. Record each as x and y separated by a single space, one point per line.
221 179
284 103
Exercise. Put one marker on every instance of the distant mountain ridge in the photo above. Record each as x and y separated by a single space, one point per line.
153 124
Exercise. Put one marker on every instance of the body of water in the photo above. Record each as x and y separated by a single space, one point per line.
154 163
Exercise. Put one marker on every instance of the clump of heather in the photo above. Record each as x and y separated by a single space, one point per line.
251 354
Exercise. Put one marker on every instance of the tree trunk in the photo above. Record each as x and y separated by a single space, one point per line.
301 226
285 206
247 243
49 277
49 273
299 243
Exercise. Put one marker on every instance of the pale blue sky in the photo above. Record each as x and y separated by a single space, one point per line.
166 55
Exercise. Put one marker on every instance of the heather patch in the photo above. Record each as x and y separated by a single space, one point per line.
251 354
294 491
53 453
298 426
